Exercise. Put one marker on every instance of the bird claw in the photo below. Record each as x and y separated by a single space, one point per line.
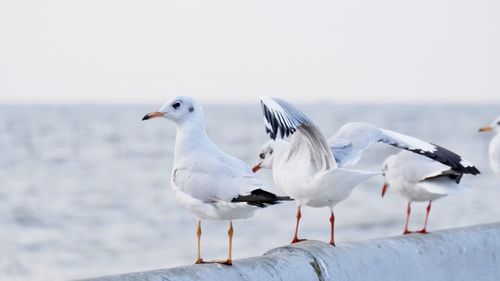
407 232
226 262
423 231
297 240
333 244
200 261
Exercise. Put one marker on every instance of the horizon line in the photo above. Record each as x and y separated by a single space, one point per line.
246 103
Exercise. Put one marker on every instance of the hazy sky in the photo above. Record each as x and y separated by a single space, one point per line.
235 51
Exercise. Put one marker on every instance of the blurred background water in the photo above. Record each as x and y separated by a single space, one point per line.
84 190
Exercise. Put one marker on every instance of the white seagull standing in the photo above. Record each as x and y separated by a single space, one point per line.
205 180
421 179
311 170
494 149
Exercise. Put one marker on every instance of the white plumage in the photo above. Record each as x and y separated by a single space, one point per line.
353 138
205 180
304 168
494 147
418 178
312 171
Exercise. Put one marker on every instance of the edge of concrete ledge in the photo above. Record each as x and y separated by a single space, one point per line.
467 253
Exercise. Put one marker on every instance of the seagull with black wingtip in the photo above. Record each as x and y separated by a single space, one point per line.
314 171
205 180
421 179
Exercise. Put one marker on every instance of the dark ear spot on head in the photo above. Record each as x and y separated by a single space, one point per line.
191 109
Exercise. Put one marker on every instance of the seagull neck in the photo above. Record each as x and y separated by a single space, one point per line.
190 133
280 151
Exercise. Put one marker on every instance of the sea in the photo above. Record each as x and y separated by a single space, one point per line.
84 189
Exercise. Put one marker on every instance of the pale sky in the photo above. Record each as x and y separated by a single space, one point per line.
223 51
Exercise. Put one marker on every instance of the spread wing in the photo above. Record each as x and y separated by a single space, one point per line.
353 138
307 144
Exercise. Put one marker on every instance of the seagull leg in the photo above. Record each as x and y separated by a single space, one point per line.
230 232
332 224
424 230
295 238
408 212
199 260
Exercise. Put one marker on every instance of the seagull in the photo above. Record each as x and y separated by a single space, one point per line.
418 178
305 168
494 149
205 180
313 171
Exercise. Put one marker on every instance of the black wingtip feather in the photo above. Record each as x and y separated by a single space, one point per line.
451 159
260 198
277 125
452 174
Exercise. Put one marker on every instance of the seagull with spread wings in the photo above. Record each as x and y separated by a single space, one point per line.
314 171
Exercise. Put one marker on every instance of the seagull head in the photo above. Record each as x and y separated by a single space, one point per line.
495 126
179 109
267 154
386 172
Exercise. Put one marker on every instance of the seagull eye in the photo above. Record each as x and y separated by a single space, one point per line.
271 152
498 123
262 156
176 105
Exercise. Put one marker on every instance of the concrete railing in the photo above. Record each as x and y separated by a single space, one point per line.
471 253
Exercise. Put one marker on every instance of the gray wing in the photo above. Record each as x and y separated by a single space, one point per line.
353 138
284 119
420 169
215 179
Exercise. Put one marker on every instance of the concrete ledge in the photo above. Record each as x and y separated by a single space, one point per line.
471 253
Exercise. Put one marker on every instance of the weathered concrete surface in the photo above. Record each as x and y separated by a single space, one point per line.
471 253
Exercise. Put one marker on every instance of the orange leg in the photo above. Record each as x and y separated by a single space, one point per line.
332 225
295 238
424 230
408 212
230 232
199 260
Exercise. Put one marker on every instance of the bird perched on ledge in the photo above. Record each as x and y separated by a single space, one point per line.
494 149
421 179
305 168
205 180
313 171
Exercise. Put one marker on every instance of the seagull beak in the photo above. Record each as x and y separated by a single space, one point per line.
256 167
153 115
486 129
384 188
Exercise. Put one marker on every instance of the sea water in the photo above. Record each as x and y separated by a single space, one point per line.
84 190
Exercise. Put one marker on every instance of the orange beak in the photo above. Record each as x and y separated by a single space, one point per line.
152 115
384 188
256 167
486 129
